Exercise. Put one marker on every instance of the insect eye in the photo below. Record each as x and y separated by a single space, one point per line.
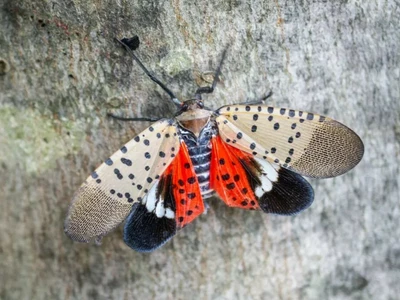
184 107
200 104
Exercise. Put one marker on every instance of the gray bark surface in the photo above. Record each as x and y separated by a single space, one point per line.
61 72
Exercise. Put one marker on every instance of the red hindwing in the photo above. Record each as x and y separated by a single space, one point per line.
228 176
185 188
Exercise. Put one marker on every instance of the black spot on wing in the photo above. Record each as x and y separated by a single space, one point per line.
145 232
289 195
126 161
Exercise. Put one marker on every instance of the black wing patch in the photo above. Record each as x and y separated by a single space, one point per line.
144 231
289 195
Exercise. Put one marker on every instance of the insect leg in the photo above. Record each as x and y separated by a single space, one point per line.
259 101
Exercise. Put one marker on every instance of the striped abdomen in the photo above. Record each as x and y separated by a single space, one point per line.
200 154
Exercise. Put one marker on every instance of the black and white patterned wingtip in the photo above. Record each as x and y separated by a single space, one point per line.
289 195
145 232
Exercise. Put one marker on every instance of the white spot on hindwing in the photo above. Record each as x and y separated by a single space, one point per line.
265 186
271 170
169 213
160 210
259 192
269 175
150 199
156 205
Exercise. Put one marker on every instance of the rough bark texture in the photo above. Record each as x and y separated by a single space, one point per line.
60 72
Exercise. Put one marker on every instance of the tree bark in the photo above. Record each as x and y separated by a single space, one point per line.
61 72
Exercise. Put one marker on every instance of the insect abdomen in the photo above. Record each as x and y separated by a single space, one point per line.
201 158
200 155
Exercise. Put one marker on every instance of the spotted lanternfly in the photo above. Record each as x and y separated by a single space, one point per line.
252 156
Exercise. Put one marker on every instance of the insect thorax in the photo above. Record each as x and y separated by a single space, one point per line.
199 147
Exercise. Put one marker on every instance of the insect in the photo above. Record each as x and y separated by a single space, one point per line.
252 156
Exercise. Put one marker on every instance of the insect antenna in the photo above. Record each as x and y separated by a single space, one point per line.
148 73
142 119
210 89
